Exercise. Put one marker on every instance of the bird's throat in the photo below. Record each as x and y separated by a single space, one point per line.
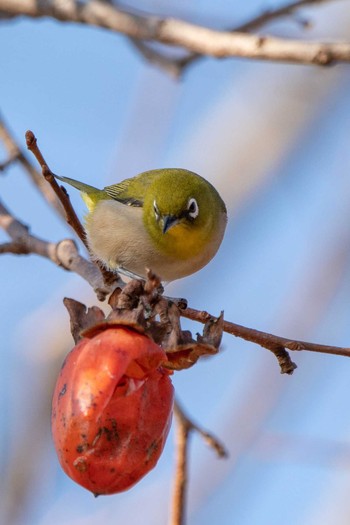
182 242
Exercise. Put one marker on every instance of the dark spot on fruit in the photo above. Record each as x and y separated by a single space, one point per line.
152 449
111 433
63 391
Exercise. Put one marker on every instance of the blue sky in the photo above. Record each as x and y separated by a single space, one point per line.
274 140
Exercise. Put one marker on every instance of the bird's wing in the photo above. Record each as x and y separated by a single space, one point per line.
131 191
122 192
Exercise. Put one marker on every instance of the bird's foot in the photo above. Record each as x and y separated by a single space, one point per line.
130 275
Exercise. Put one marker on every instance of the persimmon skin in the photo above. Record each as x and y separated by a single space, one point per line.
111 410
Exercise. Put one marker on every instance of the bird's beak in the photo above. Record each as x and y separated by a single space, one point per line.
168 222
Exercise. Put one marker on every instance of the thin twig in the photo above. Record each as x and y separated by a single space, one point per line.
185 426
264 339
271 15
72 219
61 193
211 440
174 32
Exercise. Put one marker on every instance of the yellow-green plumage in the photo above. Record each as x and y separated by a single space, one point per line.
170 220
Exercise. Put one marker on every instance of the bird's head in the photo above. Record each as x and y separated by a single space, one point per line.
181 211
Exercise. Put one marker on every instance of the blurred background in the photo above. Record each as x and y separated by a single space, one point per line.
274 139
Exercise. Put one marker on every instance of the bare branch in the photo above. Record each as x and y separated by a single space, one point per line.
271 342
61 193
209 438
192 37
253 24
63 253
176 66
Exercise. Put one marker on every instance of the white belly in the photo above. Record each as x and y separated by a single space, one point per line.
116 235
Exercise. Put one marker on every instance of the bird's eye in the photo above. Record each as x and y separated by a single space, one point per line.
156 211
192 208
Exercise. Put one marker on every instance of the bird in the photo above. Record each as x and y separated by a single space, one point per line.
169 220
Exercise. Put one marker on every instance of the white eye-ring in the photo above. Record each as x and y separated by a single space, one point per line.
156 211
192 208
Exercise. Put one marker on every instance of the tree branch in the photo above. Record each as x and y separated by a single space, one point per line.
63 253
271 342
176 66
61 193
174 32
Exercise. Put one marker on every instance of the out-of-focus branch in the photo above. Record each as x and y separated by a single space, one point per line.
176 66
173 66
185 427
64 253
174 32
15 153
269 15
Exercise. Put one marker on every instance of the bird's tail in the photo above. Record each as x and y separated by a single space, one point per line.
85 188
90 195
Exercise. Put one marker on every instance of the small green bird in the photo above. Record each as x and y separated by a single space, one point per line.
169 220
